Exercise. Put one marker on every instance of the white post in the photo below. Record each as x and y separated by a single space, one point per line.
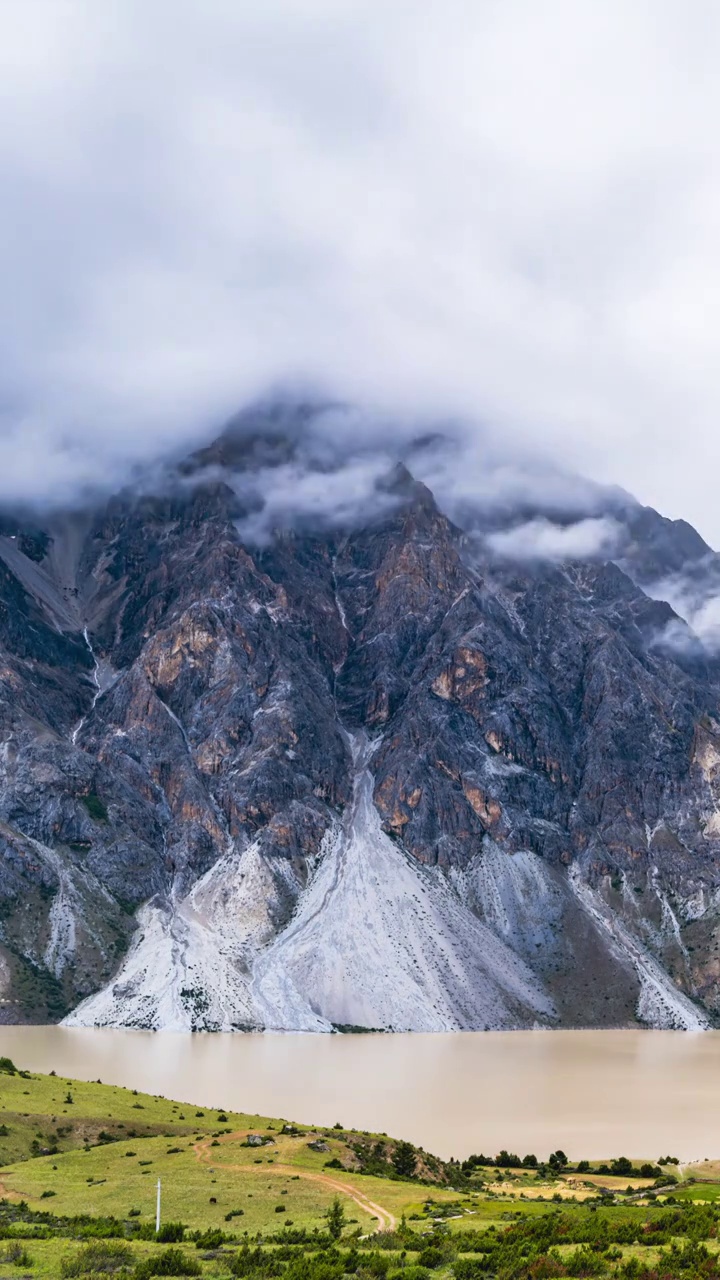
157 1215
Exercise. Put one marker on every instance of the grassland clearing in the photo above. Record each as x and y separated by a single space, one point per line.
255 1196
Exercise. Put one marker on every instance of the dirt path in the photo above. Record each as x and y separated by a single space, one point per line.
385 1219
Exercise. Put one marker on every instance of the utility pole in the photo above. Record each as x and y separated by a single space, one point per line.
157 1215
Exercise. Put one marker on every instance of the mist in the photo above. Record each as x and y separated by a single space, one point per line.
540 539
502 215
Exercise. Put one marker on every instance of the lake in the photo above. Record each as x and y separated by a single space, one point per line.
593 1093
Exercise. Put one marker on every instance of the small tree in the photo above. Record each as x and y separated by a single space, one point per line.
335 1219
404 1160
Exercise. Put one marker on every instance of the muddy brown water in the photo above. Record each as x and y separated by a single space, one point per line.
593 1093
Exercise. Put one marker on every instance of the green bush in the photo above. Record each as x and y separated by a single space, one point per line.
171 1262
254 1262
169 1233
375 1264
469 1268
583 1262
17 1255
96 1258
432 1257
210 1239
404 1160
95 807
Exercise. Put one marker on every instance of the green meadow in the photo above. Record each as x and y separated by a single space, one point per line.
262 1197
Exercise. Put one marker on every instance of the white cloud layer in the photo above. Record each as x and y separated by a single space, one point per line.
491 209
696 599
542 540
293 494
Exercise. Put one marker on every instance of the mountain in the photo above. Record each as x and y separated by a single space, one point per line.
374 771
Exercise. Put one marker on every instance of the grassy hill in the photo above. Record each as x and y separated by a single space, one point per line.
261 1197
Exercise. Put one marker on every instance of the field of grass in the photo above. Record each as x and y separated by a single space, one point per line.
54 1112
46 1257
78 1159
107 1147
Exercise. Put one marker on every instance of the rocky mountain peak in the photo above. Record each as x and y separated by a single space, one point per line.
355 766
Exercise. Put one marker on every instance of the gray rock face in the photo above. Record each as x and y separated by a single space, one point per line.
365 776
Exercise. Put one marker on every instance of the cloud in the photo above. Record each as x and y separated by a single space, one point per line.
478 479
499 213
695 597
294 496
542 540
318 466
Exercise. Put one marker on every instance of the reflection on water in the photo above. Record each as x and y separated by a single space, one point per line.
593 1093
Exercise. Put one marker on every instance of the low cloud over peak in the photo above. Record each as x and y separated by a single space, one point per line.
541 539
491 212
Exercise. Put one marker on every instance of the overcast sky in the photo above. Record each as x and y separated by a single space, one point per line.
507 210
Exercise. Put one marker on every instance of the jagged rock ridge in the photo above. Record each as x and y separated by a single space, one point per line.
370 775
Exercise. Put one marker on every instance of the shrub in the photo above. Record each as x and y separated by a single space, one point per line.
375 1264
7 1067
254 1262
467 1269
404 1160
171 1262
169 1233
95 807
335 1218
210 1239
547 1268
16 1254
432 1257
583 1262
97 1257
